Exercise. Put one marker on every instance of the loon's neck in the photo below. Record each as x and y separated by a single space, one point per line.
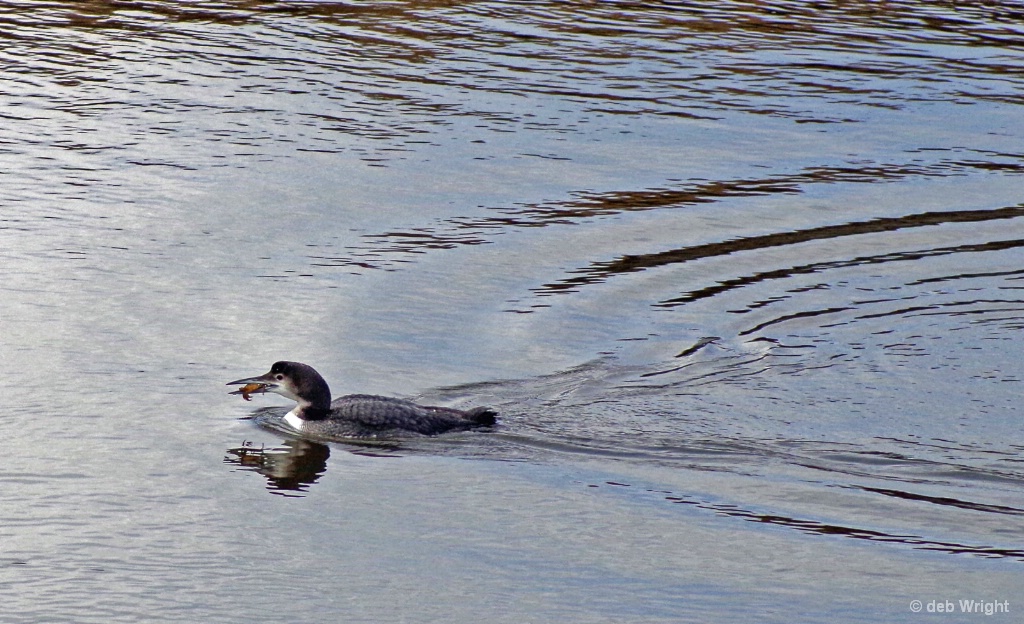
305 412
294 420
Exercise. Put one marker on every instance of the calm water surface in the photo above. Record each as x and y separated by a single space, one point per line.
745 283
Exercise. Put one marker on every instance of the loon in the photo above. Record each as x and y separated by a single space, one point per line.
356 415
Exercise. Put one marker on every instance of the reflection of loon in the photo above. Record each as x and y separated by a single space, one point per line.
291 468
357 415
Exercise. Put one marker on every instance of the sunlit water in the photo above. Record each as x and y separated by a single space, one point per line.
744 282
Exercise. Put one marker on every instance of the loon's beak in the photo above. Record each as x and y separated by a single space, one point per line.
267 382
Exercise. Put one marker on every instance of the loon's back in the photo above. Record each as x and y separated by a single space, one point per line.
365 415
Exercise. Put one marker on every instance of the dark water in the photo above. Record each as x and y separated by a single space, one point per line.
745 283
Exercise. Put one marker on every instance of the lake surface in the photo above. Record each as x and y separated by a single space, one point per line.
744 282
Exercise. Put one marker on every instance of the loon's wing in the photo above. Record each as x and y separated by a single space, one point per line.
384 413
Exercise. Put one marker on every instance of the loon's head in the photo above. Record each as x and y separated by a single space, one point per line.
297 381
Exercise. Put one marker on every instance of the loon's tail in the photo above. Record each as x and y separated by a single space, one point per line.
484 416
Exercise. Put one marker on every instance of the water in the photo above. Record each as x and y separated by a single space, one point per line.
743 281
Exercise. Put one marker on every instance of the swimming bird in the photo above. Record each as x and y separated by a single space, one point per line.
356 415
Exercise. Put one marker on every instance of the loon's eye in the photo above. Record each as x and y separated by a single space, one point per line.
280 377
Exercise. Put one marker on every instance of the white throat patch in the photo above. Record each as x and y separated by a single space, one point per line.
293 419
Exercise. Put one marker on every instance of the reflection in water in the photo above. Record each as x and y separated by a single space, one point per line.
300 461
582 206
816 527
383 81
952 502
629 264
289 469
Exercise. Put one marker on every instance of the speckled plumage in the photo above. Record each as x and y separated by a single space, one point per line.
359 415
364 415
